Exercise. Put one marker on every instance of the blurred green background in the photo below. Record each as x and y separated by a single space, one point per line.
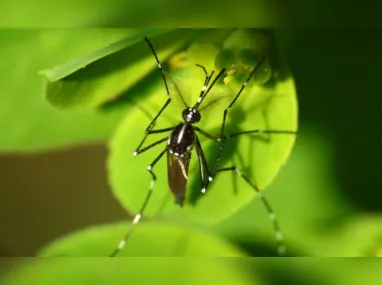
53 177
149 13
327 197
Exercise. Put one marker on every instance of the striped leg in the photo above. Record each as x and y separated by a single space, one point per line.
138 216
206 81
262 132
222 134
152 123
279 236
203 167
205 90
140 150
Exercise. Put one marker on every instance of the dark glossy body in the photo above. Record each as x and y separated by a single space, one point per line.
181 140
180 145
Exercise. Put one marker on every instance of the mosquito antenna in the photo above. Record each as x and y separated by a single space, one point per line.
179 93
212 102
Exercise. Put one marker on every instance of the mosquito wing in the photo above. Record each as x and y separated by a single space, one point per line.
178 175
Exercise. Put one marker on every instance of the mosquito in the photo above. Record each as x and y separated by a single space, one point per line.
180 144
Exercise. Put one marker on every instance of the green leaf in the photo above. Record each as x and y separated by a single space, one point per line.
27 122
148 239
272 105
62 71
112 70
97 271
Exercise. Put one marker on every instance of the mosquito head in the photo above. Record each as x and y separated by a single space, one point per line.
191 115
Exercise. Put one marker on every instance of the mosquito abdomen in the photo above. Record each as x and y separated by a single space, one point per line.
180 145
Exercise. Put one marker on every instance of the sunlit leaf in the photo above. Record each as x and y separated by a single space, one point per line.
149 239
271 105
27 122
83 271
107 73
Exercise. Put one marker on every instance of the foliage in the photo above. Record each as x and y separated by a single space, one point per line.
100 96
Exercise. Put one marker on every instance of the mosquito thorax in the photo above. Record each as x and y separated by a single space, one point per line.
191 115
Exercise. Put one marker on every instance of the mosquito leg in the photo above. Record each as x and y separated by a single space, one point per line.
148 129
140 150
207 135
205 91
204 70
238 94
150 126
206 81
225 137
160 131
276 226
138 216
208 77
150 146
203 167
262 132
222 134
